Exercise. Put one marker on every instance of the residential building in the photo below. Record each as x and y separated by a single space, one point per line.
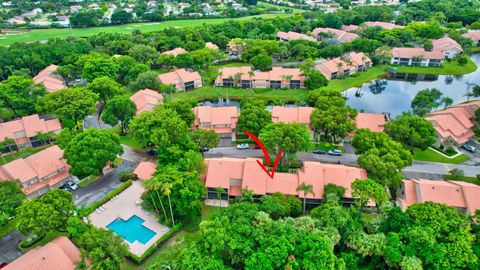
454 125
223 120
448 46
245 77
344 66
372 121
175 51
52 82
39 172
235 174
146 100
25 130
235 47
416 57
340 35
145 170
349 28
287 36
474 35
59 253
291 114
182 79
461 195
384 25
211 46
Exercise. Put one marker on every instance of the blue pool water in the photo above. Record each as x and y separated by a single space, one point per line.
132 229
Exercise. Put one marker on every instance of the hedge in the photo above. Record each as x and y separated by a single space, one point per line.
87 211
153 248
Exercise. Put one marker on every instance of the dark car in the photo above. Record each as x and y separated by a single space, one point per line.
152 152
335 152
205 149
319 151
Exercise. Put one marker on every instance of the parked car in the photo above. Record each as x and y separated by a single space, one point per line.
470 148
64 188
205 149
72 185
243 146
319 151
335 152
152 152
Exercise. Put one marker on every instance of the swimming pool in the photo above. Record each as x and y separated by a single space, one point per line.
132 229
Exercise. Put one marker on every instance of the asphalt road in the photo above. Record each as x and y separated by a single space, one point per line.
419 169
9 247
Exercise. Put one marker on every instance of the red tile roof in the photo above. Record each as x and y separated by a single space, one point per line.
30 125
384 25
52 82
59 254
291 114
455 122
473 35
276 74
446 44
179 76
340 35
416 52
453 193
211 45
146 100
222 171
373 121
145 170
294 36
220 119
175 51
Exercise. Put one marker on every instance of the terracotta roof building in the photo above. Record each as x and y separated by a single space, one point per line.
344 66
291 114
235 174
416 57
59 254
474 36
372 121
461 195
287 36
145 170
39 172
448 46
25 130
340 35
52 82
182 79
349 28
454 125
384 25
175 51
211 46
146 100
245 77
223 120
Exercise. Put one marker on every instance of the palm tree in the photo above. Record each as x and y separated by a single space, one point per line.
307 189
250 74
247 194
157 185
237 77
167 190
219 191
149 187
287 77
7 142
447 102
43 137
468 95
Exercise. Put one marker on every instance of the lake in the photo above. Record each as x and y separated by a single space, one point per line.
394 94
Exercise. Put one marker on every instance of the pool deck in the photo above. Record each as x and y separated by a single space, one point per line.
125 205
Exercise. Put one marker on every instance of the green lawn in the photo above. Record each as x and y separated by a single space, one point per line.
89 180
363 77
432 156
130 141
21 154
267 5
448 68
49 236
43 34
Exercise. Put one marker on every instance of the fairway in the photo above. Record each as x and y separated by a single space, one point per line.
44 34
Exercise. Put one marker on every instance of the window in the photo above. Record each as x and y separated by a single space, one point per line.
227 82
189 85
275 84
246 84
295 84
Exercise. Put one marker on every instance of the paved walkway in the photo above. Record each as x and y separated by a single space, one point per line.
124 206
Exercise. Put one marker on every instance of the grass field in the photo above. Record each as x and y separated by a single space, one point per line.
44 34
20 154
432 156
448 68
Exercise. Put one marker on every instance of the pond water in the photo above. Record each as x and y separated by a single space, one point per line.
394 94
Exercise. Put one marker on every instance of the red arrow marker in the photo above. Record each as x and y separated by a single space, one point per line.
265 153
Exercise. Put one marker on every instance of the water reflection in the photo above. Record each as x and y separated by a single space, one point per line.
394 94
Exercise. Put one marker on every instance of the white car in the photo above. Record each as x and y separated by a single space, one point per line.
243 146
72 185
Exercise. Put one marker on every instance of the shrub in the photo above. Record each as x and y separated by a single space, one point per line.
462 60
126 175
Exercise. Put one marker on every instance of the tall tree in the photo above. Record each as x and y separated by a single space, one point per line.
253 117
306 189
106 88
11 197
365 190
88 152
412 131
99 67
205 138
426 101
119 110
18 94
